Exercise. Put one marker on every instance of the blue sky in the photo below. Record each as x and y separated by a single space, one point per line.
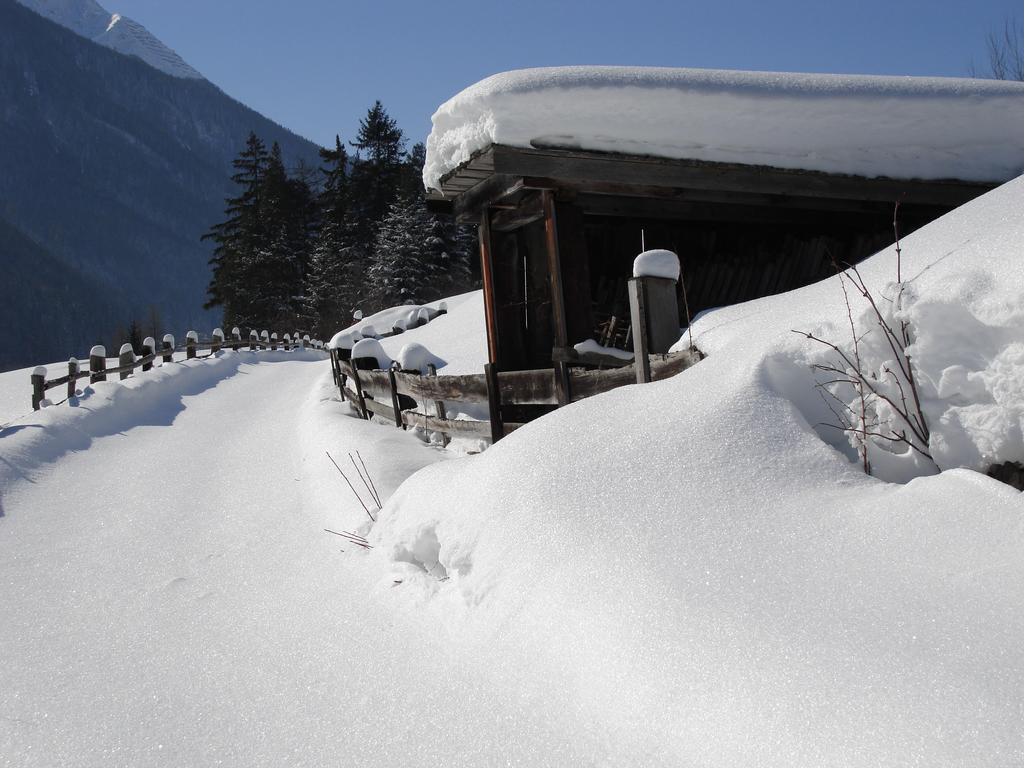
316 65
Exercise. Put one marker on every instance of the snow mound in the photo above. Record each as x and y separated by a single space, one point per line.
371 348
903 127
416 357
734 589
656 263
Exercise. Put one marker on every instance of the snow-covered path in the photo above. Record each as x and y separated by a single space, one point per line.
167 599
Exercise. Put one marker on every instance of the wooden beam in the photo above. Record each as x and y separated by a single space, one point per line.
487 274
597 168
529 210
557 295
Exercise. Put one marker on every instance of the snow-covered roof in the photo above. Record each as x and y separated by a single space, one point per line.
899 127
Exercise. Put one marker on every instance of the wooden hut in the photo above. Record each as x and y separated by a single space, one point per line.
561 221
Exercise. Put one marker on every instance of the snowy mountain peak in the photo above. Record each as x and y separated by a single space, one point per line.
91 20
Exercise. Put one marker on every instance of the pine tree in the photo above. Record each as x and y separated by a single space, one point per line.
335 277
376 171
239 236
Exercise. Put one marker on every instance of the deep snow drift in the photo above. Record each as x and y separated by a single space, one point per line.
905 127
692 571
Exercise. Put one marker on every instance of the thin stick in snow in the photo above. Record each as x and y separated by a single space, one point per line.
351 487
366 483
372 486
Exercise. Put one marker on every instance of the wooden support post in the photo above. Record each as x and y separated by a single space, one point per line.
557 296
439 410
487 274
273 342
305 341
72 377
638 315
148 350
359 391
494 402
287 342
167 351
264 339
125 357
191 339
394 398
97 364
38 388
236 338
253 339
216 340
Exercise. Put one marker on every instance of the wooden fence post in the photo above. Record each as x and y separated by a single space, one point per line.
638 317
287 342
439 410
236 338
394 398
494 402
253 339
273 341
38 387
359 391
125 357
97 363
264 339
191 339
305 340
216 340
148 350
72 377
168 348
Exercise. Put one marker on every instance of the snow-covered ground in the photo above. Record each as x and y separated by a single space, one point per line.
680 573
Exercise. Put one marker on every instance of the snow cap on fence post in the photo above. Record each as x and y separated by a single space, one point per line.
167 353
653 307
357 315
126 356
38 387
97 363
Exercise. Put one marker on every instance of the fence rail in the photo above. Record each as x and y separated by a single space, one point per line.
379 392
128 362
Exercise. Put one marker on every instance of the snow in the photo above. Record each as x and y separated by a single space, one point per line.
371 348
416 357
698 574
689 572
90 20
125 348
903 127
459 332
98 351
656 263
592 347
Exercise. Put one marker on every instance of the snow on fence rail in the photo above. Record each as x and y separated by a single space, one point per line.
128 362
401 396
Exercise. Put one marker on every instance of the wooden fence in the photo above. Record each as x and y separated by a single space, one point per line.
128 362
402 397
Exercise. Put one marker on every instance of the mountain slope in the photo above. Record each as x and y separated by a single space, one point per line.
90 20
116 169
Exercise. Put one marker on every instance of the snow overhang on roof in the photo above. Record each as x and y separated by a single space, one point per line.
869 126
